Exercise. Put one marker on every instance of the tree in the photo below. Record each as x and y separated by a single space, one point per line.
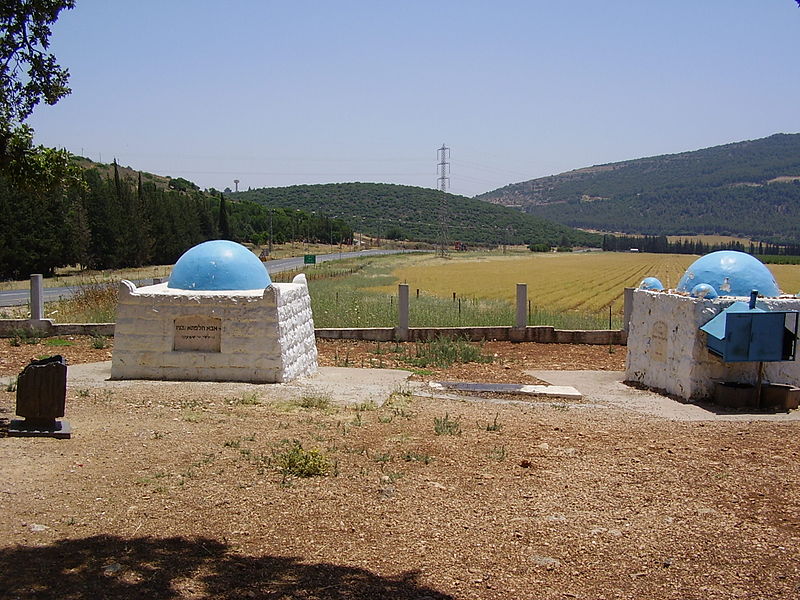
394 233
182 185
224 224
28 73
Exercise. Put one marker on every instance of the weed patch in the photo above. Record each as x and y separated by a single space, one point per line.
362 406
446 426
498 454
421 457
494 425
294 460
318 402
245 400
99 342
444 352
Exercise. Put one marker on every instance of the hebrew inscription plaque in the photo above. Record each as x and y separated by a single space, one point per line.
658 341
197 334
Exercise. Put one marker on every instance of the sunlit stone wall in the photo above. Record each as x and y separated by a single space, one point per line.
667 351
259 336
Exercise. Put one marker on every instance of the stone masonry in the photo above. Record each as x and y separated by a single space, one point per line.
258 336
667 351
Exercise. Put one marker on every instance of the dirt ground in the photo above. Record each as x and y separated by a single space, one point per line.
185 491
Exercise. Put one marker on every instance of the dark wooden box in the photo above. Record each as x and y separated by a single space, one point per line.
42 389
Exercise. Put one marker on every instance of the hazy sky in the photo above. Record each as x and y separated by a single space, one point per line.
277 93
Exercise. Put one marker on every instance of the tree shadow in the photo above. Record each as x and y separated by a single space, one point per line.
102 567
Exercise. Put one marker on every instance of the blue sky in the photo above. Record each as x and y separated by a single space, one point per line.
277 93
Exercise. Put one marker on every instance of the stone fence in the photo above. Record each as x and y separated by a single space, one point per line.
542 334
519 332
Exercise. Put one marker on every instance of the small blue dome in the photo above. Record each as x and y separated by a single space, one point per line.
703 290
651 283
730 273
219 265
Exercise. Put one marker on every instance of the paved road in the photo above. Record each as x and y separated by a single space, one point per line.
17 297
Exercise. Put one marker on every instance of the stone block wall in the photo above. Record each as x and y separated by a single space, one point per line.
296 329
259 336
667 351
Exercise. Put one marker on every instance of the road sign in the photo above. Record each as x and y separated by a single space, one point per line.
310 259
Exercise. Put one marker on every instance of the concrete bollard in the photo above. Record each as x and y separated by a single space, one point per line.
37 298
522 305
627 308
402 312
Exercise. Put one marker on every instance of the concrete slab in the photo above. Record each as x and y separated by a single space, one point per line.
341 385
61 429
547 391
421 390
353 386
607 387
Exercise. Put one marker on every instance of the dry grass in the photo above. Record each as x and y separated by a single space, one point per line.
787 276
93 303
585 282
70 276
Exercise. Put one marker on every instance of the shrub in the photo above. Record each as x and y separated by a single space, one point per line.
297 461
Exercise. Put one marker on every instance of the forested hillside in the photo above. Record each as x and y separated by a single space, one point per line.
109 220
113 217
749 189
398 211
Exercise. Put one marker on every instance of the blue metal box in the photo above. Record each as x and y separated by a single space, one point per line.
743 334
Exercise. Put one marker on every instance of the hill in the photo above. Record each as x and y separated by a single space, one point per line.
399 211
749 189
162 182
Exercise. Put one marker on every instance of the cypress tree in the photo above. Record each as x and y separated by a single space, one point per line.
224 225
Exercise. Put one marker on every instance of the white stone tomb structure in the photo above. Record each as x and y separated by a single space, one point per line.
667 351
218 318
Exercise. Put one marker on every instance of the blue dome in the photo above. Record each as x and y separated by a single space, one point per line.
703 290
730 273
651 283
219 265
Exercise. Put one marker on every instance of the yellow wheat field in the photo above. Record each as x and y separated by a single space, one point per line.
586 282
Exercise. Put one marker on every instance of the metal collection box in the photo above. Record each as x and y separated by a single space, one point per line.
743 334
